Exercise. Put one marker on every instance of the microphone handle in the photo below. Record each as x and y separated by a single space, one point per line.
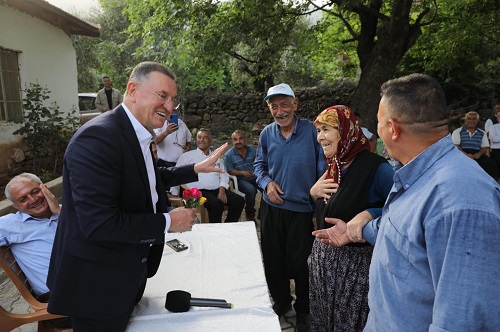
197 302
211 300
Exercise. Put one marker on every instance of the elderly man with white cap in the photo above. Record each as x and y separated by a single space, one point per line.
289 161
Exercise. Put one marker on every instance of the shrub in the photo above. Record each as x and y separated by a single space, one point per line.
45 131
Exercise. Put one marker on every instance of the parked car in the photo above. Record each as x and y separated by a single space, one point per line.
86 104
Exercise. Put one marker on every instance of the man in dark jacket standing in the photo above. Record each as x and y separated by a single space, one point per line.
112 225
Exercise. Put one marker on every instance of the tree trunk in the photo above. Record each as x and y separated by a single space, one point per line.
380 48
366 97
259 84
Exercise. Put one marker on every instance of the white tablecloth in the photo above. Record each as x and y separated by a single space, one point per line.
223 261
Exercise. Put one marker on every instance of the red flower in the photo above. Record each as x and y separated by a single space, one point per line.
196 193
192 198
187 193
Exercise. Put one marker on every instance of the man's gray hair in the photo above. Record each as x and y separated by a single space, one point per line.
20 178
143 69
472 113
205 130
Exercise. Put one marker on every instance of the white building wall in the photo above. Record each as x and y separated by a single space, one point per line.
47 57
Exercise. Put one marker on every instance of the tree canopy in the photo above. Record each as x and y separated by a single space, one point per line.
249 45
247 37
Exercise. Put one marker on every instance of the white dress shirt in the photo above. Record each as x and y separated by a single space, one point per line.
495 136
145 137
208 181
171 148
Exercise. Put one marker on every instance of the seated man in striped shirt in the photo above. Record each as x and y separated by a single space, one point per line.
473 142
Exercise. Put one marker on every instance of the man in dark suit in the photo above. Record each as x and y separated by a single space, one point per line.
114 216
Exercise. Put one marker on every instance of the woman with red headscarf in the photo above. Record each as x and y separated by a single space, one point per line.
357 181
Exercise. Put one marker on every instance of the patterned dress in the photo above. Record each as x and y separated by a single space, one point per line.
338 287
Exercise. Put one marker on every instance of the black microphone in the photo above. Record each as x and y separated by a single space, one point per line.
181 301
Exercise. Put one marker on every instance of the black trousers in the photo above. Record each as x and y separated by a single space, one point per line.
495 156
215 206
486 163
286 242
118 324
64 322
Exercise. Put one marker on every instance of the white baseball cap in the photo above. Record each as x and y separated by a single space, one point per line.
280 89
367 133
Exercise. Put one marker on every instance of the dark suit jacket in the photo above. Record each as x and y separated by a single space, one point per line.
107 225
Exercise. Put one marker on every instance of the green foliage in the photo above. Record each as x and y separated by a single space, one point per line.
216 45
209 34
86 59
461 49
334 54
117 56
108 55
45 131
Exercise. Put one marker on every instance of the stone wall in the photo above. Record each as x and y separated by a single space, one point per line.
15 159
226 112
223 113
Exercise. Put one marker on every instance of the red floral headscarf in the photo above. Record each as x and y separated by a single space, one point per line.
352 141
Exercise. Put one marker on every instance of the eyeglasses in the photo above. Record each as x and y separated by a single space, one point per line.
166 99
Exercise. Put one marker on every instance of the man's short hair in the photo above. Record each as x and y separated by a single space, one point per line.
19 178
472 113
416 100
205 130
143 69
238 131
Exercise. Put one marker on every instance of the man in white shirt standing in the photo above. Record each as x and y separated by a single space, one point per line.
493 120
214 186
172 140
492 128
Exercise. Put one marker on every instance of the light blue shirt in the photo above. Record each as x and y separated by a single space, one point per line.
31 241
234 160
436 261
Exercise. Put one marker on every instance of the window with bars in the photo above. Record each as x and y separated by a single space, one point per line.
11 105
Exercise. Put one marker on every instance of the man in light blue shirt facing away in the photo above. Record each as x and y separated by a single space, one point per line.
30 231
435 264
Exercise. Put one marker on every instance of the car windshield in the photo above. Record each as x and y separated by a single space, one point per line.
86 103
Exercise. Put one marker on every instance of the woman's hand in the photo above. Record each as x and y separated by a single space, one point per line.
324 188
335 236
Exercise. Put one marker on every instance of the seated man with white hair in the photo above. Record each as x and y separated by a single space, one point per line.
30 231
473 142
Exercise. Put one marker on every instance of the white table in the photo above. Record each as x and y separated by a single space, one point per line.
223 262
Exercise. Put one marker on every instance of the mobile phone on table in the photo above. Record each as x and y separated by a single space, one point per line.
176 245
174 118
